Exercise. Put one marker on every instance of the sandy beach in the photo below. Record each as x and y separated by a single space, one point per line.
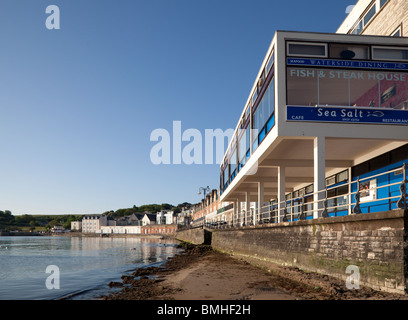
200 273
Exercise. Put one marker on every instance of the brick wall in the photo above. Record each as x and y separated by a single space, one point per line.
389 18
373 242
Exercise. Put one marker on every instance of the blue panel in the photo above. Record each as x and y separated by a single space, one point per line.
261 135
385 192
330 63
347 115
270 123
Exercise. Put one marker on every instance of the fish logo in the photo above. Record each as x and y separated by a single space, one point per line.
378 114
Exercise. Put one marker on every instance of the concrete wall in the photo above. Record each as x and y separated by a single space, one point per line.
373 242
195 236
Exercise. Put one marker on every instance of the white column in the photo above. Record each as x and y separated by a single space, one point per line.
260 199
247 207
238 204
349 197
319 173
281 192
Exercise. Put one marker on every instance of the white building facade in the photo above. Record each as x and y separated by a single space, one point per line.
327 117
93 223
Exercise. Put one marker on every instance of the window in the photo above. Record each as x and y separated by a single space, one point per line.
330 181
233 163
264 110
390 53
369 15
365 20
254 96
397 32
358 28
382 2
307 49
243 145
269 63
342 176
337 199
342 87
309 189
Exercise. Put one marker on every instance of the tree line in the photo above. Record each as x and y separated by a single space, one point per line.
152 208
9 222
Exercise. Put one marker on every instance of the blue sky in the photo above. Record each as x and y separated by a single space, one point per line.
78 104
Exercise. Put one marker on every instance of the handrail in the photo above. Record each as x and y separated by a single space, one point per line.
296 208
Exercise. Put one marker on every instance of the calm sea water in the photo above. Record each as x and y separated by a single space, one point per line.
86 265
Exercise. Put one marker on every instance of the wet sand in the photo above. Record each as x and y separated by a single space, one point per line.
199 273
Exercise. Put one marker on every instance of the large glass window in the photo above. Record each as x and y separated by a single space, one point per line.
243 145
265 108
233 164
340 87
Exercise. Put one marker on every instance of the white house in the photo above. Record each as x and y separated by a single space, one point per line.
76 225
120 230
149 218
93 223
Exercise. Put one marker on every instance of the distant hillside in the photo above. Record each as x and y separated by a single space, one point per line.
39 222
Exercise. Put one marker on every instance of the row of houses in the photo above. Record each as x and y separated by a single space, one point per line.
136 223
211 210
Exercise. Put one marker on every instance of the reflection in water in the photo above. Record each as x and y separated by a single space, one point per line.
85 264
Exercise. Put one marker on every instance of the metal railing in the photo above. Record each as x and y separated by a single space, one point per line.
379 192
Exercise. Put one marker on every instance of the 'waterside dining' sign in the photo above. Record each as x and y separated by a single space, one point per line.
346 64
346 115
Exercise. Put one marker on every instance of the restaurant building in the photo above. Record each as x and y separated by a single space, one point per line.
324 131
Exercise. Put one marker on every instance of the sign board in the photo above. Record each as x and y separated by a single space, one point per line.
333 63
346 115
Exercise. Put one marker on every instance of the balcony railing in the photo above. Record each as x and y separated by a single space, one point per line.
379 192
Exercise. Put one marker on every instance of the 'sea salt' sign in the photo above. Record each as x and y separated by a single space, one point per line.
346 115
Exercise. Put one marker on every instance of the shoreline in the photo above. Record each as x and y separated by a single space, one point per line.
200 273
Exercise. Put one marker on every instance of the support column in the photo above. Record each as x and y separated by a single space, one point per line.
319 173
349 197
260 200
281 192
237 220
235 213
247 207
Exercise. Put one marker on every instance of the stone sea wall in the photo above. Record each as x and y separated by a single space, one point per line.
375 243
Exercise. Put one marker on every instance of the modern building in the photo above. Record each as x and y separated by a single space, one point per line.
324 131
